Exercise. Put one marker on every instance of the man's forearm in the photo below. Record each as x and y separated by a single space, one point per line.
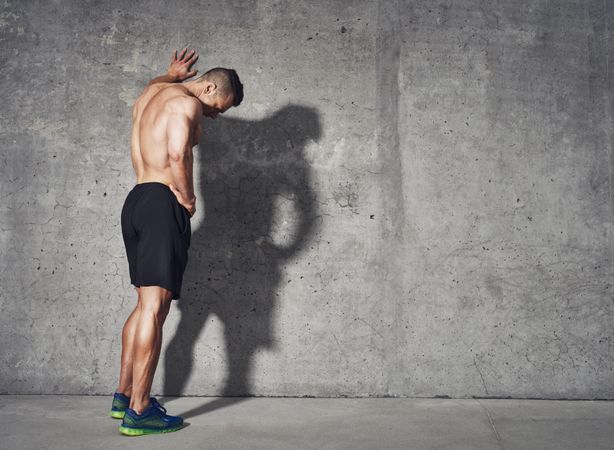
181 172
166 78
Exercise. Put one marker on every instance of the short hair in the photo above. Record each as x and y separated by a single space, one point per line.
227 81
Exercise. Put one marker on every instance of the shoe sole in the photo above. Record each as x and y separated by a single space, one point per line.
142 431
117 414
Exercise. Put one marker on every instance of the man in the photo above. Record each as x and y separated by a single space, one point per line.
156 226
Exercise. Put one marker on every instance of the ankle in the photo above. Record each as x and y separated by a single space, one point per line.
139 407
125 391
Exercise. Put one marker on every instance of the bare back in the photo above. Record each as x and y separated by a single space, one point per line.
149 142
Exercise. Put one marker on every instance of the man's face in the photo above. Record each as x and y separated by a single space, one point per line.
216 104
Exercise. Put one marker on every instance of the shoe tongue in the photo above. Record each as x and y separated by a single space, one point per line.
152 405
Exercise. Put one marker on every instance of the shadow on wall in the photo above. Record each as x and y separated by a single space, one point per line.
254 179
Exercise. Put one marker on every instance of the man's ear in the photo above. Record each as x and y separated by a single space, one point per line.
210 88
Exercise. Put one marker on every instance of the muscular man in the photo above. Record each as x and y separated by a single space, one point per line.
155 223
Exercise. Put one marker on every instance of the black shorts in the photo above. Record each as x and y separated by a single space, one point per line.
156 231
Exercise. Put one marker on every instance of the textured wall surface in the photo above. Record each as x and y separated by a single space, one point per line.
414 199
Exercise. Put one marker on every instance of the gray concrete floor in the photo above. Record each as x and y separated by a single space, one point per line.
80 422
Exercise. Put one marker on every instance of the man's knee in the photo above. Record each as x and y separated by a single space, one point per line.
156 300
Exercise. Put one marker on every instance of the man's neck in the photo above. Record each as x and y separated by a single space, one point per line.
196 89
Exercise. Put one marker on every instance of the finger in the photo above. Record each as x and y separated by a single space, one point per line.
187 56
174 56
192 60
192 73
183 52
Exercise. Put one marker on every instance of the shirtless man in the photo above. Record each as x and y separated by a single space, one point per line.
155 222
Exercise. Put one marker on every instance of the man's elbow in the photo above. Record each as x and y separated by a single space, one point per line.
178 155
175 156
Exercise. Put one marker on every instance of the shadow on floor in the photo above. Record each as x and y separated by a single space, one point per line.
212 404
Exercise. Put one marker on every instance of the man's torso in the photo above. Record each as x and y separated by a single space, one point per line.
149 142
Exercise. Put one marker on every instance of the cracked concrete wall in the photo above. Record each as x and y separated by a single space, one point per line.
413 200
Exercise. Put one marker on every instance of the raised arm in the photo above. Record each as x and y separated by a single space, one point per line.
182 120
179 69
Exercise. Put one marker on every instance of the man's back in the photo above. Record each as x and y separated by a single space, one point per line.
150 117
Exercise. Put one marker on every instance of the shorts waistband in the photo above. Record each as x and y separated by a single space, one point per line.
147 184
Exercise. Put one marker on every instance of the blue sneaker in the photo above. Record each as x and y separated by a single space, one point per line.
151 421
120 403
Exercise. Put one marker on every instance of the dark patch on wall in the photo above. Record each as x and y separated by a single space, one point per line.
235 266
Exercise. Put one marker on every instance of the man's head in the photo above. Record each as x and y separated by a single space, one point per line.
219 89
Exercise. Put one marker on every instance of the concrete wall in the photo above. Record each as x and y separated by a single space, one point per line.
415 198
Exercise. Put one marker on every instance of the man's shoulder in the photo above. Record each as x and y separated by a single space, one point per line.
180 101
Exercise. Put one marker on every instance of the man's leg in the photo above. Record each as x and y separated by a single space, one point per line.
154 304
128 333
